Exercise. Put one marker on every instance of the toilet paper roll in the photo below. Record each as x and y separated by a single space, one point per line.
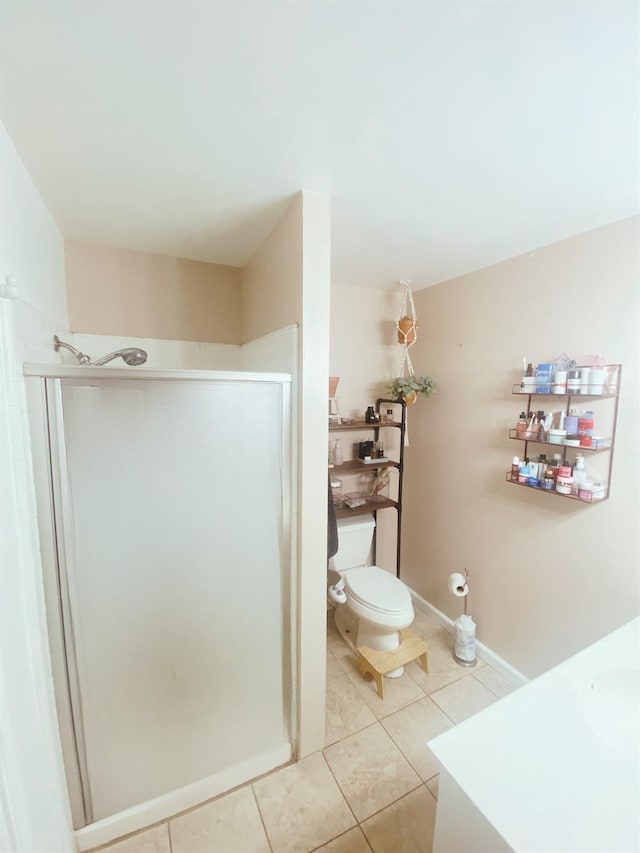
458 585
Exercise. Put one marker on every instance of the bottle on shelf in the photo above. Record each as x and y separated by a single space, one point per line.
564 483
579 474
542 467
549 480
337 452
554 465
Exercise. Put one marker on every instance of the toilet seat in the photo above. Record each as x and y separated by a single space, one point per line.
378 597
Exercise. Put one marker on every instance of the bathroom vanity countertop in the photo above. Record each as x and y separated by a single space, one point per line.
555 766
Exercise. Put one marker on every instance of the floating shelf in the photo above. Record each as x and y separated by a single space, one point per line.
513 435
610 391
602 495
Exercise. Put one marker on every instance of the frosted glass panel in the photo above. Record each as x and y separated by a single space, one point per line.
175 579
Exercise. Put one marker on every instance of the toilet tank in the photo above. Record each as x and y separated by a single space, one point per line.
354 542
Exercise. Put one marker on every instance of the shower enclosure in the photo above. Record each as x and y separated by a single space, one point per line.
164 506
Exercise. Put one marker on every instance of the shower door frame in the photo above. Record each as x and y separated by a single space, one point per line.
44 390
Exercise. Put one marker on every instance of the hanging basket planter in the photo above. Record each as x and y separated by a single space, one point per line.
407 388
407 330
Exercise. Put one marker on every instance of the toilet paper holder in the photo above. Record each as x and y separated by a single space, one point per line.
465 646
459 586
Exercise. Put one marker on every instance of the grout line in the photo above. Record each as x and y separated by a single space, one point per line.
406 794
421 782
406 757
169 834
342 834
344 796
264 826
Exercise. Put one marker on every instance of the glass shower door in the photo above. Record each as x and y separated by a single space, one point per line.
172 497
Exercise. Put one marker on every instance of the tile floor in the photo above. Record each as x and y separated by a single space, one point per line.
373 787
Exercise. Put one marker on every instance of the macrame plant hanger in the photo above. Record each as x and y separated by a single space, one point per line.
407 336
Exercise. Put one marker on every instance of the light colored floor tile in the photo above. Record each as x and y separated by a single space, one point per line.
155 840
412 727
347 712
427 626
404 827
345 657
371 770
351 842
433 785
231 823
463 698
333 667
496 683
443 669
302 806
398 692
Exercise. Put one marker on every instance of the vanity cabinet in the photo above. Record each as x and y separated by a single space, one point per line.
356 467
605 411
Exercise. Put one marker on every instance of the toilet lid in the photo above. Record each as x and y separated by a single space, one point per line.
378 589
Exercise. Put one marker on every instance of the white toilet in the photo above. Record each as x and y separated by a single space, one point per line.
377 604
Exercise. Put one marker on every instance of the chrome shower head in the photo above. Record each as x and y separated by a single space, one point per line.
133 356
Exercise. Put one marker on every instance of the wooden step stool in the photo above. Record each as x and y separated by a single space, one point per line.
378 663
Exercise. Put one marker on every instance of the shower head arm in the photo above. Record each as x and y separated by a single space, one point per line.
82 358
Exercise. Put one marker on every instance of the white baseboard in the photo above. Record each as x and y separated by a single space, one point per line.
505 669
164 807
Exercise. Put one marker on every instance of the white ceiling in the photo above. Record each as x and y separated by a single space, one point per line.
449 135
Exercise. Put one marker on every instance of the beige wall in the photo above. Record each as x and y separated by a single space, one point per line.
120 292
272 279
548 576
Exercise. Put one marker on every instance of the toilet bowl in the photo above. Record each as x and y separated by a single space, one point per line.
377 605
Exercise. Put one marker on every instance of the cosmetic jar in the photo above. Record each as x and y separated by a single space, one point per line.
585 493
573 381
596 381
572 441
563 485
559 382
557 436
